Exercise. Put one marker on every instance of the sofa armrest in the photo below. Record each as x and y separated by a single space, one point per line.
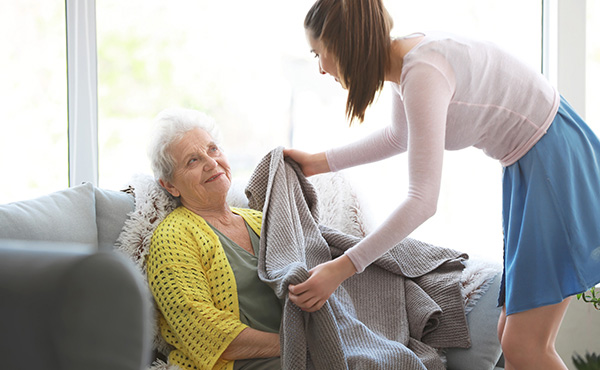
65 306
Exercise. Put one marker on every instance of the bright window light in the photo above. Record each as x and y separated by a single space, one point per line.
248 65
33 92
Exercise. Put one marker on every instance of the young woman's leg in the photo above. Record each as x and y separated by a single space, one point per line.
501 323
528 337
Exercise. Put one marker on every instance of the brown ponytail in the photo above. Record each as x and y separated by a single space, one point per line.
357 33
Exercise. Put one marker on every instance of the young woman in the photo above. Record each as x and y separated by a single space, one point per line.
452 92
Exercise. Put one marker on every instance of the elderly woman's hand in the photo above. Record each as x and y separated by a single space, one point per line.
311 164
324 279
252 343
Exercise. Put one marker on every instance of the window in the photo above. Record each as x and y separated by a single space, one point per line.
228 59
255 75
248 65
33 92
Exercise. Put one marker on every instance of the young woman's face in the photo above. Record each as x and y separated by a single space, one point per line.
327 63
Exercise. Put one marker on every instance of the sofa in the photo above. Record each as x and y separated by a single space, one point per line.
70 300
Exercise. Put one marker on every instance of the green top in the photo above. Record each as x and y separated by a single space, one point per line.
260 308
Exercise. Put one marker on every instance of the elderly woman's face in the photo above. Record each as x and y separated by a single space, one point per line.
202 175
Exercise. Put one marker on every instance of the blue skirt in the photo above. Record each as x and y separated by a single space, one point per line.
551 215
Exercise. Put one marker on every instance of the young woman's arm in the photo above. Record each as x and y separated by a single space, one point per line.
427 98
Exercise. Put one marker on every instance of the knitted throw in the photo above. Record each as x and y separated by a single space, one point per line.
394 315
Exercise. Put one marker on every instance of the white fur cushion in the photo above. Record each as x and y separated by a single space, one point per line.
339 206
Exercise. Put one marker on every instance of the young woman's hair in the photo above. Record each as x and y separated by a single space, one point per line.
357 33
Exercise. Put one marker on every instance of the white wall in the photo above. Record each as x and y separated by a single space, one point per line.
580 332
565 66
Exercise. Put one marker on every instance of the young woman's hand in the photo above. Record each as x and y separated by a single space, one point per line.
311 164
324 279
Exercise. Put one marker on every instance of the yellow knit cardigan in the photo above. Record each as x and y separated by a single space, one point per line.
194 288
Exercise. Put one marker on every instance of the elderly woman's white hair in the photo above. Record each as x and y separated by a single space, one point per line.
170 126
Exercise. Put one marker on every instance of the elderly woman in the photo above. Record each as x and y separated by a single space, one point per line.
202 265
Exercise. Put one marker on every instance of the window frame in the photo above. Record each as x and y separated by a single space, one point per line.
564 49
82 81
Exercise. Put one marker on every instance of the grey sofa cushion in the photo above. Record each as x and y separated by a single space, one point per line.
485 349
67 215
112 209
66 307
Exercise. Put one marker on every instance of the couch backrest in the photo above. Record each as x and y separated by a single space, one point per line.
81 214
67 215
112 209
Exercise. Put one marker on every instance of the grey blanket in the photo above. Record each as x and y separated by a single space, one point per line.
394 315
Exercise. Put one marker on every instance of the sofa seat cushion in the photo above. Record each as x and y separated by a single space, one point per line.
67 215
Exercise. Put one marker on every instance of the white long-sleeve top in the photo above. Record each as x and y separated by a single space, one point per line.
453 93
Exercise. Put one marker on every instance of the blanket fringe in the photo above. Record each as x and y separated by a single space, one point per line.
161 365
